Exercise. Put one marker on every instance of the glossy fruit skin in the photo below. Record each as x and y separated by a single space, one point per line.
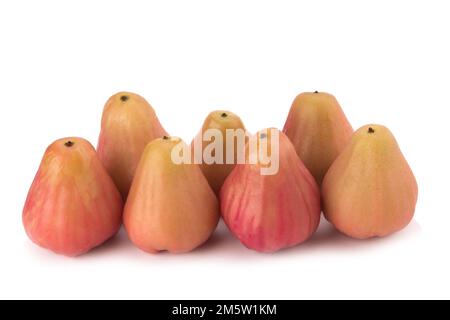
270 212
318 129
221 120
370 190
73 204
128 124
171 207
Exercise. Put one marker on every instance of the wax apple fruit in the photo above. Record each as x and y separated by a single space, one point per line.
271 212
319 130
73 204
370 190
170 206
128 124
222 121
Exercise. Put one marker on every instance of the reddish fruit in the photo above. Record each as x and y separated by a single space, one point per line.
271 212
73 205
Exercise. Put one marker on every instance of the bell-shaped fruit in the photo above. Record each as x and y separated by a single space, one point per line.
230 140
319 130
274 209
73 204
370 190
171 206
128 124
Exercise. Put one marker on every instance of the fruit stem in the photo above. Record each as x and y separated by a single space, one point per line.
165 137
316 91
124 98
224 115
68 144
371 130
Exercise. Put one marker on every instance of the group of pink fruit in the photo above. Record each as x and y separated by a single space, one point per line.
80 196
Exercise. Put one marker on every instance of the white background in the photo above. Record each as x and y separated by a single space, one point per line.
386 61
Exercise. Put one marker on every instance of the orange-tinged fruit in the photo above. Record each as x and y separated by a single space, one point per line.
370 190
221 120
319 130
73 204
128 124
171 207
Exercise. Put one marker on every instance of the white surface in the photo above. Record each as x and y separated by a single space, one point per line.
386 62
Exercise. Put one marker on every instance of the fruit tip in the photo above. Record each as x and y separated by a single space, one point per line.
69 144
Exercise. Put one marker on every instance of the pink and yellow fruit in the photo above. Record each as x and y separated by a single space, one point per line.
271 212
73 204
